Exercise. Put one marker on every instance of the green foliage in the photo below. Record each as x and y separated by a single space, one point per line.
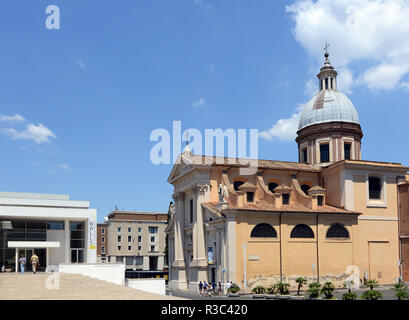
234 288
259 290
327 290
271 289
371 284
314 290
348 284
349 296
400 291
301 281
371 295
283 288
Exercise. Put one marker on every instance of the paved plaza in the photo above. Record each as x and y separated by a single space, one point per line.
71 287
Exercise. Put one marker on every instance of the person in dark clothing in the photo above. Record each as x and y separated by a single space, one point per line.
200 287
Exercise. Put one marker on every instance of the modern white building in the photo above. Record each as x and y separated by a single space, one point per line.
57 229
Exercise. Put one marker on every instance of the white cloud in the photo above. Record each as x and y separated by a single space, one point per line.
311 87
284 129
38 133
405 85
202 4
15 118
81 63
345 80
374 30
199 103
65 166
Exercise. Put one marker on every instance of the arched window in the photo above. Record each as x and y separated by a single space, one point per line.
302 231
305 188
237 184
337 231
263 230
272 186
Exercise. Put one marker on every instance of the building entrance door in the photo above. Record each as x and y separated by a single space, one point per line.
27 253
42 257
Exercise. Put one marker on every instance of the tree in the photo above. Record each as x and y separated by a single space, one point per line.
301 281
234 288
283 288
371 294
314 290
400 291
259 290
327 290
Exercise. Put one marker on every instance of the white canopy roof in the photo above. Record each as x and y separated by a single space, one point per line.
34 244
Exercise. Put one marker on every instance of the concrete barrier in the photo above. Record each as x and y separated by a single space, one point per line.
114 273
157 286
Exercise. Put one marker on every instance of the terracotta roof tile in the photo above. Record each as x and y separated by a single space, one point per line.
288 208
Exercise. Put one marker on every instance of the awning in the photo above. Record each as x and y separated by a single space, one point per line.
33 244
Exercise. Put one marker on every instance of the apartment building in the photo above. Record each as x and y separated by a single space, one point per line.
134 238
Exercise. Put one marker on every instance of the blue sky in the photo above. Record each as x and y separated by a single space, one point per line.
90 94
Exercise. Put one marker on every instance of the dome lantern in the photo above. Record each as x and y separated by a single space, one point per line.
329 128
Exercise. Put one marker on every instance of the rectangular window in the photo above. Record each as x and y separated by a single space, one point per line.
77 237
153 230
250 196
347 151
326 83
76 225
286 198
152 248
119 248
191 211
304 155
102 230
102 240
129 238
320 200
139 248
102 249
139 229
119 259
129 229
324 152
119 239
119 229
55 225
152 239
129 248
375 188
139 238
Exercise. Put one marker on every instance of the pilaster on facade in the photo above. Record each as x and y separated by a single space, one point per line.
179 198
199 248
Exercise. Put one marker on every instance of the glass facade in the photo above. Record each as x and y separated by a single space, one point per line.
24 230
77 241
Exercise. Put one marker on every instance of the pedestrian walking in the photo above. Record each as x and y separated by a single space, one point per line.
22 262
205 288
35 262
214 287
200 287
228 285
219 290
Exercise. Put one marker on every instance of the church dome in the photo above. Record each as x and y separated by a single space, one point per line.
328 106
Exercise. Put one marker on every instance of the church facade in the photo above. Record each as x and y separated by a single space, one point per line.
325 217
